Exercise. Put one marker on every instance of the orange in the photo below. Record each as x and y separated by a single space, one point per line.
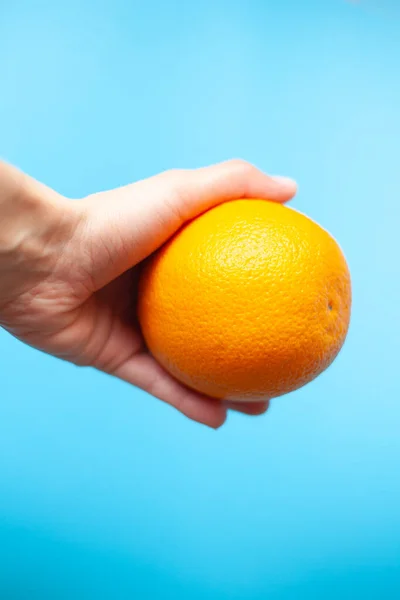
249 301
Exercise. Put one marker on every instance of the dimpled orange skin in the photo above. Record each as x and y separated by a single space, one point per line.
249 301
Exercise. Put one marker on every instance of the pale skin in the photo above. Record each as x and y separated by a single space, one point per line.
68 268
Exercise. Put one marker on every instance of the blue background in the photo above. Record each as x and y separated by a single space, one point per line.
107 493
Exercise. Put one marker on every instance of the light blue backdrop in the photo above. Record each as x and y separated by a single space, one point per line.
107 493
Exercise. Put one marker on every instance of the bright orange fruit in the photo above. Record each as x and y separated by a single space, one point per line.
251 300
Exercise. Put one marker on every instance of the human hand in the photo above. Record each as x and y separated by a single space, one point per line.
68 269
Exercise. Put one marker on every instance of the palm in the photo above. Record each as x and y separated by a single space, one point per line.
106 331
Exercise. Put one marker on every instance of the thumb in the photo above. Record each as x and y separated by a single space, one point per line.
127 224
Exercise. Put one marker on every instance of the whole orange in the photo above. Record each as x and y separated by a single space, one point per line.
249 301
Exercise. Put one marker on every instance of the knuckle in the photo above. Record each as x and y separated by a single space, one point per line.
241 166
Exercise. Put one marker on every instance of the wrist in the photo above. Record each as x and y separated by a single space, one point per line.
31 215
36 225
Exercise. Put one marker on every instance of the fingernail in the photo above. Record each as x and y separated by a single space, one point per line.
286 181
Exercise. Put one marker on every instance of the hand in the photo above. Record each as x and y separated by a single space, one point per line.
68 268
